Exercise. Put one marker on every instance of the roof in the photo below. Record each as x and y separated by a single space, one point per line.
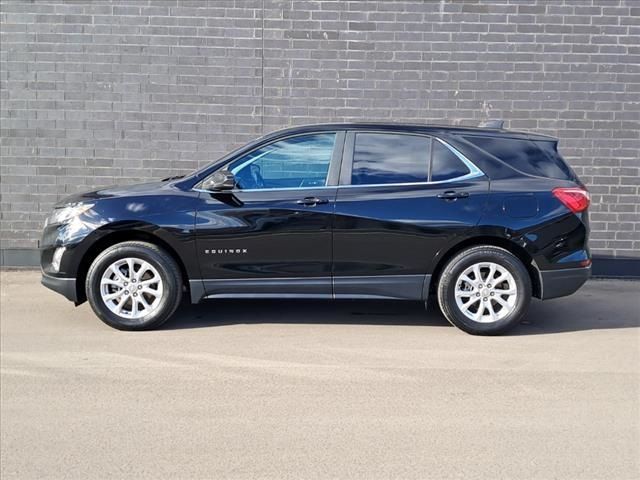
408 127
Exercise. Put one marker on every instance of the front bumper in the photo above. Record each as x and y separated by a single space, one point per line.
563 282
64 286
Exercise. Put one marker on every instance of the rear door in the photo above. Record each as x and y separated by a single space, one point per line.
402 199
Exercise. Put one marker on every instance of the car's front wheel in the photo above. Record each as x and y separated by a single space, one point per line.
484 290
134 286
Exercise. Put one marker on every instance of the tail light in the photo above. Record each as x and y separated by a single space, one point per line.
576 199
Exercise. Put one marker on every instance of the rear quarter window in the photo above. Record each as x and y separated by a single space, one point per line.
445 165
539 158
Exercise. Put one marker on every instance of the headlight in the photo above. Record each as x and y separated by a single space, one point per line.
63 214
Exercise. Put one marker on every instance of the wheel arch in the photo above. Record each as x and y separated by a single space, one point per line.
509 245
118 236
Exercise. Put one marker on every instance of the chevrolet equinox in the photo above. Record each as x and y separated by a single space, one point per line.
483 218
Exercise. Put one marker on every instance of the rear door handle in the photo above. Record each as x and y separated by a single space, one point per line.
312 201
452 195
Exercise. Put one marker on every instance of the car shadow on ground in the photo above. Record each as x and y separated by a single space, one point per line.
570 314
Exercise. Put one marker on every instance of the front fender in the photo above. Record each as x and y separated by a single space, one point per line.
179 241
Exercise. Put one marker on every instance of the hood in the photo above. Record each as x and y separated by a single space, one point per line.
116 191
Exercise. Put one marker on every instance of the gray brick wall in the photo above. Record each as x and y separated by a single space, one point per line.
96 93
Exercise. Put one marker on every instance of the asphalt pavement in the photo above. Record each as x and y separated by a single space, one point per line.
310 389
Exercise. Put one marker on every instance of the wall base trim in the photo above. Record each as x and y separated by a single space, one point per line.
615 267
19 257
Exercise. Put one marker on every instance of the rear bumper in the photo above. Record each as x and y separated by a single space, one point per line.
563 282
63 286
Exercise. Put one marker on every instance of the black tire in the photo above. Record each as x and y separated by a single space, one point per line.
167 269
461 262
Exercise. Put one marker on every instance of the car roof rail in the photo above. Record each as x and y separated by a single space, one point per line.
491 124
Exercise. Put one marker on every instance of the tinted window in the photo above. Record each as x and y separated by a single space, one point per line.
445 164
301 161
550 150
525 155
388 158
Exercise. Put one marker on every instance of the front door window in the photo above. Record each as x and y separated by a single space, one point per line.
295 162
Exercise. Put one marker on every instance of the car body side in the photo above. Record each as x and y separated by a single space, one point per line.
368 242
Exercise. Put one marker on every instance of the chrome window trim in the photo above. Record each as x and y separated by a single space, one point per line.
322 187
468 176
474 172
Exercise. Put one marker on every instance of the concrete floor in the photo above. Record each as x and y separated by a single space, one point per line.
305 389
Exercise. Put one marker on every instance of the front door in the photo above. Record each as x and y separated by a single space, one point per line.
272 234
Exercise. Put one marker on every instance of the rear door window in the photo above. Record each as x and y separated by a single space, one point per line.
539 158
384 158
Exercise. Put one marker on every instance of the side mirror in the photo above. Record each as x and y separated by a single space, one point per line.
220 181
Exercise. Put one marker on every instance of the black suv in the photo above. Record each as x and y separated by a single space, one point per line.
482 217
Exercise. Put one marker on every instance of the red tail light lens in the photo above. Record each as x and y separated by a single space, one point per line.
575 199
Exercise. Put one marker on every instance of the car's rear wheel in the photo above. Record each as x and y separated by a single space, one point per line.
134 286
484 290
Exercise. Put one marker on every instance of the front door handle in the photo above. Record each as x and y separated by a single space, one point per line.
312 201
452 195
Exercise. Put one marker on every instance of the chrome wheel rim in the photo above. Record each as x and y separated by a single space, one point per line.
131 288
486 292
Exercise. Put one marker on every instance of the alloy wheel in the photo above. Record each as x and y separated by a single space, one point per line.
131 288
486 292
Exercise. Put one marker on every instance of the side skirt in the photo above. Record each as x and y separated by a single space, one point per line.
294 287
391 287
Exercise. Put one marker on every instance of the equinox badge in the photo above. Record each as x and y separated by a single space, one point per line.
227 251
